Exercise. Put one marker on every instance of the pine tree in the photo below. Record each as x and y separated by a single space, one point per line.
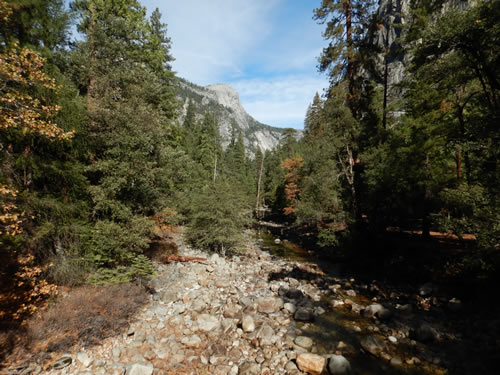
346 25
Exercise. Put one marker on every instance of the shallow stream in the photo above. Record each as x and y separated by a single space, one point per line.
339 324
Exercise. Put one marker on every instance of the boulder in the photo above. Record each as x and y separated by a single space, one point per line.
304 342
373 345
424 333
303 314
311 363
338 365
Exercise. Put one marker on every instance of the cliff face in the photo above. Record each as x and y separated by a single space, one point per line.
224 102
394 15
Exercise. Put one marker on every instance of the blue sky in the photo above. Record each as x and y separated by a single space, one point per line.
266 49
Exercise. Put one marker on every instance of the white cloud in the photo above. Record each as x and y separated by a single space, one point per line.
211 38
266 49
280 101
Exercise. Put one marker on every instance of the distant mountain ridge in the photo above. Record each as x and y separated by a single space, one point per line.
224 102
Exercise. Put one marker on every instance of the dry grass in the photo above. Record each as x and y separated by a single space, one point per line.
86 316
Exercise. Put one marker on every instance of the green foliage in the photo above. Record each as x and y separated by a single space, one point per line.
468 209
112 244
220 214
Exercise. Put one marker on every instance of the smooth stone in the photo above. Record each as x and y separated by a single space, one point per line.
140 369
392 339
338 365
311 363
396 362
247 323
304 342
351 293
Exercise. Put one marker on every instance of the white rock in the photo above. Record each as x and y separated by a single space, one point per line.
140 369
84 359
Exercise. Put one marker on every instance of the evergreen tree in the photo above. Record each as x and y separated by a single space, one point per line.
346 26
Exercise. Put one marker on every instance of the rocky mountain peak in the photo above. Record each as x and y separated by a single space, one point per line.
224 102
226 95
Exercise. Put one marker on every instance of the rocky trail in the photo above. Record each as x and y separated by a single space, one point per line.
253 314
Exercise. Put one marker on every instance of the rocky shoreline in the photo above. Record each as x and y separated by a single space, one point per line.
249 314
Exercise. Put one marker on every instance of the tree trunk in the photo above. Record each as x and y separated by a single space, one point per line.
257 203
350 54
386 75
426 222
92 82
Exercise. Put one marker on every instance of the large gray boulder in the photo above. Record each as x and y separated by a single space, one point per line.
338 365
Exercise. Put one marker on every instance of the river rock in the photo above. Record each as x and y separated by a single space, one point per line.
193 341
304 342
294 293
290 366
247 323
268 305
377 310
207 322
290 307
373 345
396 362
249 368
311 363
266 335
338 365
84 359
424 333
303 314
140 369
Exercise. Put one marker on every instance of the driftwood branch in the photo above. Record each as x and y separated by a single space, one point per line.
177 258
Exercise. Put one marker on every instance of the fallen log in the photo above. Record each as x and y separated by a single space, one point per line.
178 258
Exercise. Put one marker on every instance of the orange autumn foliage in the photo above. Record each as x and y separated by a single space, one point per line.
21 70
292 191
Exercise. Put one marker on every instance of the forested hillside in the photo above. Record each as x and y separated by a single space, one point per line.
104 150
